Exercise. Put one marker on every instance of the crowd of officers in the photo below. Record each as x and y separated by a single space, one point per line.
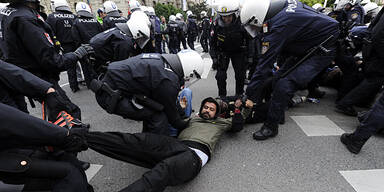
286 46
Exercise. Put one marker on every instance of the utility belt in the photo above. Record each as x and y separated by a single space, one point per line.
138 101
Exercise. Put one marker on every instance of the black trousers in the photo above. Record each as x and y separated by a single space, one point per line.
158 40
191 41
153 121
71 72
364 93
204 42
61 173
171 162
238 63
372 122
72 108
88 71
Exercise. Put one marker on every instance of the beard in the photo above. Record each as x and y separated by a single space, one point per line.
205 116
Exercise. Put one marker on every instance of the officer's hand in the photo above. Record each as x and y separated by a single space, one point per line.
55 104
181 124
83 50
237 121
75 141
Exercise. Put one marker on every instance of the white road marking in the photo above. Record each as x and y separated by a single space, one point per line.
92 171
65 84
365 180
317 125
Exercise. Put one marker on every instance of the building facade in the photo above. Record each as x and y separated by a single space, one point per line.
122 4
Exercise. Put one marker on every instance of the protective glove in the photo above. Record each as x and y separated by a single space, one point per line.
75 141
55 104
237 121
181 124
83 50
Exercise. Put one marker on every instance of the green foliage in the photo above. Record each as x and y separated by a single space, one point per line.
166 10
312 2
198 8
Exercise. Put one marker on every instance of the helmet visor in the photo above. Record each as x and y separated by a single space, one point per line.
143 40
252 30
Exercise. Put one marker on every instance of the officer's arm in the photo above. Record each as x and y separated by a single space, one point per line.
39 43
378 37
213 42
20 129
166 94
272 45
122 50
22 81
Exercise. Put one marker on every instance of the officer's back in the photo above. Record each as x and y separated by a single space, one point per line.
113 15
85 25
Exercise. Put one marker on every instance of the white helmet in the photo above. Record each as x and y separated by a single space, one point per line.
3 5
151 11
203 14
144 9
318 7
109 6
364 2
61 5
341 4
254 13
134 5
83 9
179 16
172 18
228 7
138 26
189 13
370 8
192 63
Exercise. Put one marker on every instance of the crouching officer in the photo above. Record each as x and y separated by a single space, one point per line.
84 28
119 43
113 15
228 43
292 28
145 88
24 160
27 42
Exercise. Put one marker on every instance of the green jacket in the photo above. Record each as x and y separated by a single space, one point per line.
207 132
99 19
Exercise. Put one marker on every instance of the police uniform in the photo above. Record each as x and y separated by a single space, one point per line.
192 32
145 75
175 34
205 34
61 22
182 40
112 45
111 19
356 14
27 42
229 43
84 28
293 30
373 69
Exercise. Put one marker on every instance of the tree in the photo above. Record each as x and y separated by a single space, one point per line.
166 10
312 2
198 8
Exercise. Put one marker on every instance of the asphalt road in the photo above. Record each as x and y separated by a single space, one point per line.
292 161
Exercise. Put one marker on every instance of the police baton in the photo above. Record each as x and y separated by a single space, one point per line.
309 54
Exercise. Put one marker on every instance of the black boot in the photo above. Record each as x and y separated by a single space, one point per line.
266 131
350 111
352 143
315 93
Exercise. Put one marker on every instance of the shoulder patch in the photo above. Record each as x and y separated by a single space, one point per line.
48 38
265 47
354 16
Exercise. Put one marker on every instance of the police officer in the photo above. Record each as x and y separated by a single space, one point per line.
156 26
184 29
192 30
205 25
373 80
145 88
27 42
354 12
84 28
123 41
292 28
22 135
113 15
175 34
61 22
228 43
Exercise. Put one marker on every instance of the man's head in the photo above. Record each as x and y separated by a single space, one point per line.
209 109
